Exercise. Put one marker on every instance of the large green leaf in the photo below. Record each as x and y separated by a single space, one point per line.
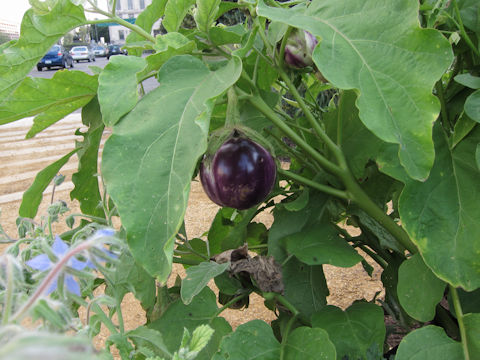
38 33
429 343
118 87
419 290
149 160
198 277
148 340
472 106
34 194
378 48
206 13
305 286
178 316
354 330
321 244
175 11
251 341
166 47
305 343
441 214
146 19
86 189
51 98
472 328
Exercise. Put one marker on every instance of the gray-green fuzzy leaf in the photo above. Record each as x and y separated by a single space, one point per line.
305 343
175 12
206 13
198 277
118 87
380 50
419 290
155 148
354 330
441 214
429 343
38 33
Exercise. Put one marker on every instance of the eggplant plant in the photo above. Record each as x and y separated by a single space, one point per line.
358 113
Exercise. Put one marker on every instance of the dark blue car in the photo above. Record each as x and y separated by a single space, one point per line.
56 56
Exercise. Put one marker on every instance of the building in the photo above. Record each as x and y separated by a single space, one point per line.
127 9
10 29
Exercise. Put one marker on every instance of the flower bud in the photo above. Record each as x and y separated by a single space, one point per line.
299 49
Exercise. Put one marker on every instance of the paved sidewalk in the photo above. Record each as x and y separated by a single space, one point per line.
21 159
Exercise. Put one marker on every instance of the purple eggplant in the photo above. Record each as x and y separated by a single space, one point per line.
240 174
299 49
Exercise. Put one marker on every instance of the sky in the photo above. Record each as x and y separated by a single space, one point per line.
13 10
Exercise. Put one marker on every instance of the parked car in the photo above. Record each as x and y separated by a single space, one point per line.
82 53
115 50
56 56
100 51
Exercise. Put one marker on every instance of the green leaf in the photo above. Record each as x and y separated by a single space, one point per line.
118 87
86 189
198 277
130 276
166 47
146 19
262 344
358 143
468 80
206 13
429 343
305 343
470 13
38 34
463 127
440 214
155 148
419 290
227 35
305 286
52 98
321 244
175 11
354 330
200 338
179 316
472 106
150 339
33 196
472 328
383 60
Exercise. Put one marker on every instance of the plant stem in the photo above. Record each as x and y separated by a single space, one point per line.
290 323
461 324
260 104
7 307
228 304
443 107
120 21
321 187
462 30
119 314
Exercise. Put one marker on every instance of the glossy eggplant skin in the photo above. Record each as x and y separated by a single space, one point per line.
240 174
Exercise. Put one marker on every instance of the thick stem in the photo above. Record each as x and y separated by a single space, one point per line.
288 328
228 304
321 187
462 30
461 324
443 107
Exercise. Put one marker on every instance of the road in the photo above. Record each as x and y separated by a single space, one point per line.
84 66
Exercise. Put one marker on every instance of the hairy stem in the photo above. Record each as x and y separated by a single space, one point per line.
461 324
7 307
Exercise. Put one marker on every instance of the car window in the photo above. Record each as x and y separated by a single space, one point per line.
55 48
79 48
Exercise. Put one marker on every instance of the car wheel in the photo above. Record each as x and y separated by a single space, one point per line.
94 59
64 64
71 64
76 61
39 68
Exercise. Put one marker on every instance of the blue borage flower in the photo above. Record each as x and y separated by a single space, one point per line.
42 262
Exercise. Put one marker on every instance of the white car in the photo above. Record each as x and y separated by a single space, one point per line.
100 51
82 53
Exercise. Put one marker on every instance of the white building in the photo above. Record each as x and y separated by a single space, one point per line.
11 29
128 9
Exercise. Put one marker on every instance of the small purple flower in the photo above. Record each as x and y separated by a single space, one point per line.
42 262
